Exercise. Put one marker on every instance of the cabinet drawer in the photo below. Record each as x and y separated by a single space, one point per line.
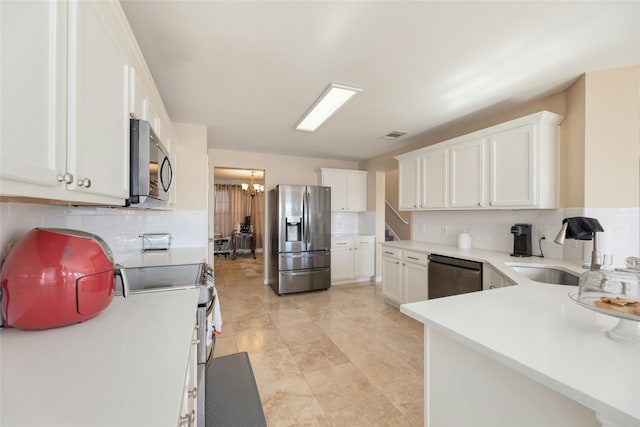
341 243
416 257
363 241
391 252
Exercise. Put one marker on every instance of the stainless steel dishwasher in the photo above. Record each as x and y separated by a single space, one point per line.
452 276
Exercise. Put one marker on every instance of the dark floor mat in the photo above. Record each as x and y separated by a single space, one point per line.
232 398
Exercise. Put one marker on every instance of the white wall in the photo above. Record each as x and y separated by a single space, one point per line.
120 228
491 230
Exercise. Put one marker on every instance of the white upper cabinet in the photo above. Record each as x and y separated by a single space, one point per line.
138 100
72 74
467 174
410 184
424 179
348 189
434 166
33 97
513 165
97 111
513 160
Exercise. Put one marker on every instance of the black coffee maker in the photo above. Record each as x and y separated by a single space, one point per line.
521 240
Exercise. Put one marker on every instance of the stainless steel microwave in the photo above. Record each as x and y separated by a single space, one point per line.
151 173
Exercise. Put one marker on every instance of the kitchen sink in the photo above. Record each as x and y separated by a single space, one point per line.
550 275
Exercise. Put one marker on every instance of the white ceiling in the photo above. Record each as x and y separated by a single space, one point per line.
249 70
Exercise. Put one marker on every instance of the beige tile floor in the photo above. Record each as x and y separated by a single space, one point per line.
342 357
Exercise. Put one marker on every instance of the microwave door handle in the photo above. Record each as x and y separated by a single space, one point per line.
166 163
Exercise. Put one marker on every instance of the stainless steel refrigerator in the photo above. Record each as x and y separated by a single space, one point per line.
300 238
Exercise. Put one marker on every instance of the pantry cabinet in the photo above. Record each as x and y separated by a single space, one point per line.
348 188
513 165
352 258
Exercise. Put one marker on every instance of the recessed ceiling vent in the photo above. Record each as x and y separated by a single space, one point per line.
394 134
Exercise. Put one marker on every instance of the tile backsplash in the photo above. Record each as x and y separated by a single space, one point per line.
491 230
120 228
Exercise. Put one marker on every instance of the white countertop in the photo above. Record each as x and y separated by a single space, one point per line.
173 256
537 330
124 367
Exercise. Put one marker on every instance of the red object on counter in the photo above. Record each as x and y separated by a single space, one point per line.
56 277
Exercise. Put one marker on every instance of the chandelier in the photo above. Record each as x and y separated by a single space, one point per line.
252 189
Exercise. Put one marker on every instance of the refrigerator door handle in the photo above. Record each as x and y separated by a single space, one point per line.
307 225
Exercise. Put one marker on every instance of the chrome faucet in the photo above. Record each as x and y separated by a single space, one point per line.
582 228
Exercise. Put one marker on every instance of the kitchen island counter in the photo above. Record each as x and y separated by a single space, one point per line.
124 367
519 338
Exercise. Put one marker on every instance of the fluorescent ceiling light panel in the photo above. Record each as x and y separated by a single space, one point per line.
333 98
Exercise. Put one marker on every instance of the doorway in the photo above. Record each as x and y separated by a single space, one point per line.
238 215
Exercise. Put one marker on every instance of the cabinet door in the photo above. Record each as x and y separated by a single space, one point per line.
338 183
513 167
392 279
435 178
341 260
98 119
356 197
363 257
409 182
137 98
33 97
415 282
467 174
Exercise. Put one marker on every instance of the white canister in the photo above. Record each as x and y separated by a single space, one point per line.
464 240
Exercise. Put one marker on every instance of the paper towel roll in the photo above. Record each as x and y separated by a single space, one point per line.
464 240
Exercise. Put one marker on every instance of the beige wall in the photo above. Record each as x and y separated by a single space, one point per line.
612 137
278 169
554 103
572 148
191 167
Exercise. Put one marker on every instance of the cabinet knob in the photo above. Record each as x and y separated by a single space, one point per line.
67 178
479 204
84 182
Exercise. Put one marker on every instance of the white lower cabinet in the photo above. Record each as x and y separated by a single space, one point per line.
415 269
392 274
404 275
491 279
352 258
189 406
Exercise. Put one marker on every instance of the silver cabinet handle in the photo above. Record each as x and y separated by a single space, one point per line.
412 257
84 182
67 178
187 419
193 393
